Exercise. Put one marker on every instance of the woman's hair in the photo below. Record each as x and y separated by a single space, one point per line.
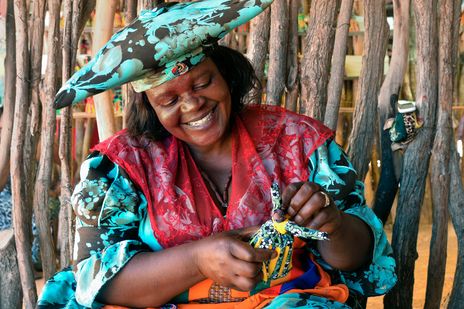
237 72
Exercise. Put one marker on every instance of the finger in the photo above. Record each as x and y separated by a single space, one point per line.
246 284
301 197
244 251
319 220
310 209
246 269
327 221
246 233
289 192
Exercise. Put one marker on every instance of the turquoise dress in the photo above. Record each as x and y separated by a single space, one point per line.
112 226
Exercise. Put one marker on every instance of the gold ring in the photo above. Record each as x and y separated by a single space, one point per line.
327 199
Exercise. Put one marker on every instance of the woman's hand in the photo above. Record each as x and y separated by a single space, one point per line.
226 258
308 205
350 241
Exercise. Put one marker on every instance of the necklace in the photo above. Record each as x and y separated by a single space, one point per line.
221 196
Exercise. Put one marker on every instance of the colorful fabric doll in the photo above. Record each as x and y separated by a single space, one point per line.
278 234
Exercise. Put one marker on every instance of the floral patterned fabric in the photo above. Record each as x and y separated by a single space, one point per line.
269 144
113 225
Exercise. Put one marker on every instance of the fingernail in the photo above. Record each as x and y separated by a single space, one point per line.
298 219
291 212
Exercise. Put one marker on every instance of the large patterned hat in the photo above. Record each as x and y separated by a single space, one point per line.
158 46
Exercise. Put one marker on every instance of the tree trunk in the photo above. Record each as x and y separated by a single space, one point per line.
277 52
10 287
149 4
44 173
388 186
36 31
103 31
40 204
128 93
440 169
10 94
258 42
38 24
22 214
317 54
456 209
292 74
89 127
337 70
79 126
416 157
131 10
64 151
364 117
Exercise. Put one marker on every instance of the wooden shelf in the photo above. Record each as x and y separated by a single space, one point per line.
84 115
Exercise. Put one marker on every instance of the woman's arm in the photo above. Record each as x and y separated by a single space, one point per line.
151 279
113 264
331 169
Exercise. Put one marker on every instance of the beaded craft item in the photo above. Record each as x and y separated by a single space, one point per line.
278 234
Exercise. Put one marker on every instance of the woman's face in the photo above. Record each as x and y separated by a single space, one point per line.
194 107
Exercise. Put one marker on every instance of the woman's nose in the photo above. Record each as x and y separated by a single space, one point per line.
191 102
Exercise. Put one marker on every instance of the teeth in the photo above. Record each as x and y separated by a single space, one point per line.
201 121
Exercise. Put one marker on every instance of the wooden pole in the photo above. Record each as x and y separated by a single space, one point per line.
337 69
76 13
10 287
22 214
456 209
440 161
317 53
103 31
10 94
64 151
277 52
389 92
128 93
42 185
37 31
416 157
258 42
364 117
293 73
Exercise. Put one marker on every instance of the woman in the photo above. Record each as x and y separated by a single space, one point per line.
165 209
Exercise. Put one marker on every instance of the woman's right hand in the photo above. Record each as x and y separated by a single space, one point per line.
229 260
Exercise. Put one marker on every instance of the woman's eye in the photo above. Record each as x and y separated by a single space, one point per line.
170 101
202 85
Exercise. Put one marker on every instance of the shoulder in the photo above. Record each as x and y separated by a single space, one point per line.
123 147
273 125
275 116
104 189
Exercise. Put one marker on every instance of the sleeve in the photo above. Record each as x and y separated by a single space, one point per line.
108 210
330 167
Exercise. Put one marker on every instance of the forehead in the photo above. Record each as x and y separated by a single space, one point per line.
203 69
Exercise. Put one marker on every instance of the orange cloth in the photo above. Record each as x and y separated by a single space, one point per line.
337 292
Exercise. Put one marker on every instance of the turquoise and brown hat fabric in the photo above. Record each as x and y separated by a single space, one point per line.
158 46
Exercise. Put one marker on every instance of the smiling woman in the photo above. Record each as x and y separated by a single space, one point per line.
195 107
165 210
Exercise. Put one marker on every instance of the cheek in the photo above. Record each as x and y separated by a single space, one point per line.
223 93
166 118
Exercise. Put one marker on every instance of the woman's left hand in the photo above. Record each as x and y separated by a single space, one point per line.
308 205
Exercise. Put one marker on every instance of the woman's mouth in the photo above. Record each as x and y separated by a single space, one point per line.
203 121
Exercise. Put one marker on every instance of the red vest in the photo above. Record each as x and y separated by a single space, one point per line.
268 144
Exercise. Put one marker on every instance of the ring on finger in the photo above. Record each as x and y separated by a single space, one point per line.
327 199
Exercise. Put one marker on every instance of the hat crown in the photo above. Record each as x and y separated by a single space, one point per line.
156 41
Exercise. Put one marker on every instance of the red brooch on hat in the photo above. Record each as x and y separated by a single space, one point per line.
179 69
